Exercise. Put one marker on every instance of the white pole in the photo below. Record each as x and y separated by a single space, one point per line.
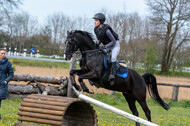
113 109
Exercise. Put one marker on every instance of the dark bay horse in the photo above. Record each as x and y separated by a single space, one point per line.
92 68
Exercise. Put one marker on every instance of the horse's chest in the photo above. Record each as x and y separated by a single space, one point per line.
88 64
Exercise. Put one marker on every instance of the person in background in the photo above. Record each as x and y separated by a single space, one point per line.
6 74
106 35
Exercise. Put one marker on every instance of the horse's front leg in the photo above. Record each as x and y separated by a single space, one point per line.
89 75
72 78
84 87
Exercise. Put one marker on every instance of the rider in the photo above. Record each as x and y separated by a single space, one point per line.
109 38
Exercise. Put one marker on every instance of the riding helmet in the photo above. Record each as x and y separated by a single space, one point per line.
100 17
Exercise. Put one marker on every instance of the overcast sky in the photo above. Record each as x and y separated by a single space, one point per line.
42 8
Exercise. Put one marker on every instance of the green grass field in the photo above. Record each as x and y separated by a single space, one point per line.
178 114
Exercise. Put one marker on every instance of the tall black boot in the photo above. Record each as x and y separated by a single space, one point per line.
112 76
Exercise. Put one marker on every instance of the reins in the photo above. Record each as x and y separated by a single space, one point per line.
88 51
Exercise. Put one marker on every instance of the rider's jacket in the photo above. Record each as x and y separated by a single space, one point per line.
101 34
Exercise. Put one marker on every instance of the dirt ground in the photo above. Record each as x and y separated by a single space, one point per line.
164 91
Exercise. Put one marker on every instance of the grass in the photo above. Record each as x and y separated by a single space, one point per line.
178 114
9 109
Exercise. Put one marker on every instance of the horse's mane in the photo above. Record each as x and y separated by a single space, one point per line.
87 34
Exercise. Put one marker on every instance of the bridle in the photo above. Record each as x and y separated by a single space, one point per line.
71 40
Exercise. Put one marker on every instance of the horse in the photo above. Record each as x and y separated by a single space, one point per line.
92 67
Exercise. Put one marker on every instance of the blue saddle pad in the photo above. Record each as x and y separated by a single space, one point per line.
122 72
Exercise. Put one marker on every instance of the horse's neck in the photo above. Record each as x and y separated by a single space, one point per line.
86 44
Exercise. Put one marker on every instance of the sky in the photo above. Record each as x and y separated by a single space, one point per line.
40 9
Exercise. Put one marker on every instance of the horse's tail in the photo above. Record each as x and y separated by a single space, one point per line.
151 83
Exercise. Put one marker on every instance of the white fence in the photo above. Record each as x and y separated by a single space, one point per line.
39 57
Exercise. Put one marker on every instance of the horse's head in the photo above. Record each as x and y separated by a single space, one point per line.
71 45
78 40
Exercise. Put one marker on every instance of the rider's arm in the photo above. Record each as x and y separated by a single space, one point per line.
111 37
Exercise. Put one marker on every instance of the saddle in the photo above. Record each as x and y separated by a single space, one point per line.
121 67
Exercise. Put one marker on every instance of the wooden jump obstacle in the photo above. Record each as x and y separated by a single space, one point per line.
55 110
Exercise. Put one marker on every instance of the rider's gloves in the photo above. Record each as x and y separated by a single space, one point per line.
103 49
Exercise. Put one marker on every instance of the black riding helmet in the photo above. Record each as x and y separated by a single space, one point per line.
100 17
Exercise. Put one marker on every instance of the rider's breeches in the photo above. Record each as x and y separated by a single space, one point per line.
115 51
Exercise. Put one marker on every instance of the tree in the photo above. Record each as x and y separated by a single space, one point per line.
150 57
59 24
6 6
19 27
173 16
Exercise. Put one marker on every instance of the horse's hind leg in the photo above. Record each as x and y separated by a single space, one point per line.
140 96
145 108
131 102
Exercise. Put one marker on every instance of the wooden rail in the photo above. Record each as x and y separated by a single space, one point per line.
175 91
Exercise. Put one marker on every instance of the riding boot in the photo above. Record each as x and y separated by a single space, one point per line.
112 77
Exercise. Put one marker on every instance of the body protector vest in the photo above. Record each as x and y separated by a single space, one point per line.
101 34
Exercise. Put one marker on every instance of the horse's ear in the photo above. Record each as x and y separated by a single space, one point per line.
67 32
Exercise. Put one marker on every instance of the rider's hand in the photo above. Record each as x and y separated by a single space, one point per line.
103 49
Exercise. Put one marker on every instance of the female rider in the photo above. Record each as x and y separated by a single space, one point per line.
109 38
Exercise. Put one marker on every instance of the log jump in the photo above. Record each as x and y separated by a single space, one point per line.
37 85
55 110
